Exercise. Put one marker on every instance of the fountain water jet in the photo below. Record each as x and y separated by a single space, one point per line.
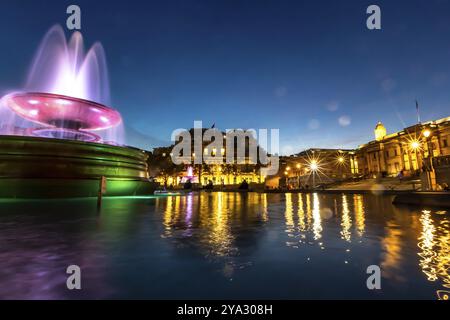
58 138
58 100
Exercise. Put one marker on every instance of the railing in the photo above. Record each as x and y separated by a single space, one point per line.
441 161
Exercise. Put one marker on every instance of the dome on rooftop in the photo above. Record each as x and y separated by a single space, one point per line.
380 131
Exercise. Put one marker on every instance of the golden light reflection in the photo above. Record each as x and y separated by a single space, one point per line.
302 218
317 221
301 214
265 207
346 223
426 244
392 251
434 244
308 210
289 215
220 237
360 219
167 220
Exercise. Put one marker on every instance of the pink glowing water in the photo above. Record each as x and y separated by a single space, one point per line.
65 94
189 176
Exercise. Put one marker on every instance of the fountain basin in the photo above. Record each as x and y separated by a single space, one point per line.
61 111
35 167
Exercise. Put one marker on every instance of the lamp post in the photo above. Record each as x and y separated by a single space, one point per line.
286 179
341 161
429 167
298 175
415 145
287 176
313 166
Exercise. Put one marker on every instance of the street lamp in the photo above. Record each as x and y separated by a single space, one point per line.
429 167
314 167
286 174
415 145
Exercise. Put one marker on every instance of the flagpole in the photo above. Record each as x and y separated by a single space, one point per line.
418 113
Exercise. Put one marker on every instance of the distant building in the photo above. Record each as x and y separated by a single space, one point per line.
422 149
403 151
210 172
315 166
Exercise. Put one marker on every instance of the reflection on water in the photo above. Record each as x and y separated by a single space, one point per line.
225 245
317 225
217 215
392 255
346 223
359 214
434 244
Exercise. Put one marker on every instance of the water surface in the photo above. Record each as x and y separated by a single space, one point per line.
224 245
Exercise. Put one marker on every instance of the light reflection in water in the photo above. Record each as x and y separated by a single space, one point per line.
207 221
346 223
189 204
302 222
359 214
301 214
317 224
289 215
265 212
426 244
308 209
392 252
167 219
198 236
221 239
434 245
189 210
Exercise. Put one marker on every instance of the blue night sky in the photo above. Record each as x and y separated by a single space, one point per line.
299 66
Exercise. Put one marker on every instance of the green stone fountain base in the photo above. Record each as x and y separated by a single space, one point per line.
33 167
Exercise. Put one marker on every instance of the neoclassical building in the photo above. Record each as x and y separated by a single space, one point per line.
316 166
213 168
404 151
421 150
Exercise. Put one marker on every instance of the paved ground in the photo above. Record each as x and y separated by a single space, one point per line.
374 184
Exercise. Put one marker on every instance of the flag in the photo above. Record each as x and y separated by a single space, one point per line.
417 111
213 126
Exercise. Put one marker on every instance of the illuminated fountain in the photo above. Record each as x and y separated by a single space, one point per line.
58 136
58 99
189 176
62 116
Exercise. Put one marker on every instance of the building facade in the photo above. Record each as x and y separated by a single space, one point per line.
314 167
403 152
421 151
213 166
